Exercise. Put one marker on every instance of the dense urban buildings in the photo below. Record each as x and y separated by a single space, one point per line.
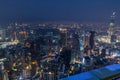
48 51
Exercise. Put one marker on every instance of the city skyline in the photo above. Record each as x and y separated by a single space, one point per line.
58 10
59 39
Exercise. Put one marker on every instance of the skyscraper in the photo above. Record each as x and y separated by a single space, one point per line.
111 28
2 34
86 39
91 39
66 56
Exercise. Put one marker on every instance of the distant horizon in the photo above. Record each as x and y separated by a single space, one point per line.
59 22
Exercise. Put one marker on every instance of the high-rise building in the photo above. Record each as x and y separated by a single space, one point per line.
111 28
92 39
2 34
66 56
86 39
3 73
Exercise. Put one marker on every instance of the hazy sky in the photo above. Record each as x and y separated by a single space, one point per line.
58 10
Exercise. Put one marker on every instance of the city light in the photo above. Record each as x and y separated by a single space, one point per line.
58 40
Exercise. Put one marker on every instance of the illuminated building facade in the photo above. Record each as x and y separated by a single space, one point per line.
2 34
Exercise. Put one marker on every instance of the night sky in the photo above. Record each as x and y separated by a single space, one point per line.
58 10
